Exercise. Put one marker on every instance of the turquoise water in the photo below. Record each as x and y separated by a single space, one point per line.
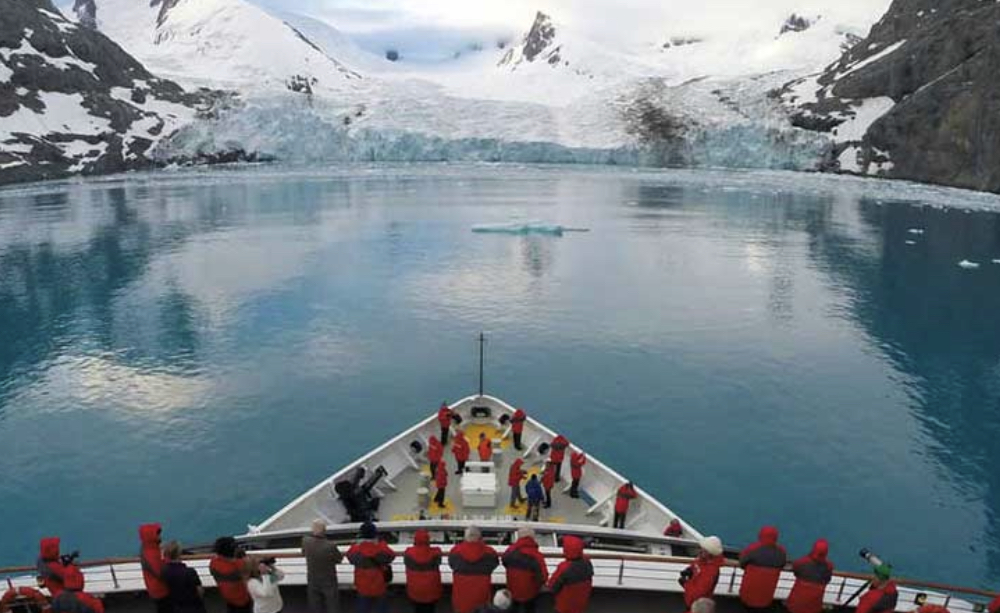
199 347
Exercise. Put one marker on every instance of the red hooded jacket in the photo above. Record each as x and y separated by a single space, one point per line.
444 416
73 599
423 569
626 494
577 460
526 569
574 578
485 449
441 477
762 563
705 576
435 450
882 599
812 574
370 559
516 473
472 564
231 579
559 445
461 448
517 421
995 605
549 476
151 560
50 568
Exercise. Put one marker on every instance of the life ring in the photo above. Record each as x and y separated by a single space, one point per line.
24 592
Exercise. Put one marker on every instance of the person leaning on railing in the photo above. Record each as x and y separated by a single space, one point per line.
372 559
883 595
322 557
995 605
812 574
72 599
263 586
183 583
229 569
151 561
700 578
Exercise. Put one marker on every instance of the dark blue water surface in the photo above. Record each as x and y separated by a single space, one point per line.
200 347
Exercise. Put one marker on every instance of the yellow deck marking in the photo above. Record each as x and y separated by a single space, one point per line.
472 433
449 508
404 517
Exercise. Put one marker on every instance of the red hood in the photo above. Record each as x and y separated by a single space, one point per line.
820 550
72 578
768 535
518 463
572 547
434 443
472 551
421 538
525 543
49 548
149 534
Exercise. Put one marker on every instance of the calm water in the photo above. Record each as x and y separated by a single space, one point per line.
198 348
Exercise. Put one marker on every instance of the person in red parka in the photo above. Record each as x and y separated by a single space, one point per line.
50 568
558 453
626 494
514 478
700 578
444 420
229 569
485 448
517 427
435 453
994 606
549 482
370 558
574 578
527 572
472 563
762 563
577 460
72 599
883 596
441 481
674 528
460 447
423 573
812 574
151 561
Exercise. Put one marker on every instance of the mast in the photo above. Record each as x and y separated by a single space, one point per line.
482 346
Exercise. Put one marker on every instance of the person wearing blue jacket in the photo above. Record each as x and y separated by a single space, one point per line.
535 497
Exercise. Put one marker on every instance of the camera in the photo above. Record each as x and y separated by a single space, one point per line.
686 575
269 561
69 558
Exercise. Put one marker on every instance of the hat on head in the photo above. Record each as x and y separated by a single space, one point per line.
368 530
883 572
712 545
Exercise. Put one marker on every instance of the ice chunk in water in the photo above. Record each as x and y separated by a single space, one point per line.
968 265
911 242
524 228
996 261
916 230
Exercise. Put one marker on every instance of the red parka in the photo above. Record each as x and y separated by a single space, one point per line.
72 599
526 569
435 450
461 448
231 578
577 460
50 568
812 574
574 578
516 473
151 561
762 563
517 421
370 559
995 605
674 528
559 445
882 599
485 449
472 564
626 494
423 569
444 416
549 476
704 577
441 477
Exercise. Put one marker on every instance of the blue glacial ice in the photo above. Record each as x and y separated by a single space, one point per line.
525 228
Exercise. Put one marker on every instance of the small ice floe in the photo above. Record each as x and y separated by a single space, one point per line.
524 228
997 261
911 242
916 230
968 265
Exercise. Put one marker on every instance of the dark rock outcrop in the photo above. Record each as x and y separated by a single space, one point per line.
795 23
936 60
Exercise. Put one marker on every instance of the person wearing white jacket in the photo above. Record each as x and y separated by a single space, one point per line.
263 587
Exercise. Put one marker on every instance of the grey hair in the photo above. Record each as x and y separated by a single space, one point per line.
525 532
472 534
703 605
502 600
318 527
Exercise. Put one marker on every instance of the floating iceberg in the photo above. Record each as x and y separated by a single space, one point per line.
525 228
911 242
968 265
916 231
996 261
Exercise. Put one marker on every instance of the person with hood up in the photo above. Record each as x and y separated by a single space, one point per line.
444 420
762 563
527 572
883 596
558 453
485 448
183 582
435 453
700 578
423 573
371 559
674 528
574 578
72 598
322 556
812 574
517 427
460 447
151 561
577 460
626 494
501 602
514 478
441 482
229 569
549 482
472 563
535 495
50 567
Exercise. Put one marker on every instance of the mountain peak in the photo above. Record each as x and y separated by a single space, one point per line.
539 42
